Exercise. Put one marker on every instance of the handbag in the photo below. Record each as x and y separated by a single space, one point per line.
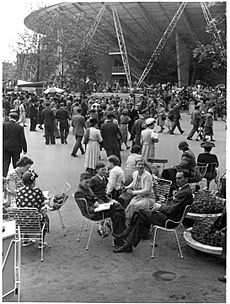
86 137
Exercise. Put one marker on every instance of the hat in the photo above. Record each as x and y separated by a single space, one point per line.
207 144
210 110
29 177
150 121
183 144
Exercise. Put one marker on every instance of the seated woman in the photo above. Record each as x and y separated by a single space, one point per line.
130 163
30 197
141 188
116 177
98 185
210 159
116 211
14 177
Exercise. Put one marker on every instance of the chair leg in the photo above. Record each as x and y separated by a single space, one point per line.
82 224
154 242
62 223
179 246
42 246
90 233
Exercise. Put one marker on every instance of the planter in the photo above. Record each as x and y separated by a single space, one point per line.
199 246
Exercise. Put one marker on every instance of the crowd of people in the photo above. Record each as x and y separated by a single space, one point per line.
110 123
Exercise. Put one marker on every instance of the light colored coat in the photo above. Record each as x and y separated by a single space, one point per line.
148 144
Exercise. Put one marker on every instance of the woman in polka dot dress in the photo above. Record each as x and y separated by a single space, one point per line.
30 197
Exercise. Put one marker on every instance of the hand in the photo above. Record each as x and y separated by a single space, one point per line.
129 191
96 204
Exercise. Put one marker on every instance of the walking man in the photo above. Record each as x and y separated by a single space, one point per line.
195 121
48 117
62 116
176 119
78 124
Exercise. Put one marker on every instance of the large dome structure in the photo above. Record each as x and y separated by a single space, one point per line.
143 26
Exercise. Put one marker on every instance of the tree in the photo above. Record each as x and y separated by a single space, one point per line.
214 52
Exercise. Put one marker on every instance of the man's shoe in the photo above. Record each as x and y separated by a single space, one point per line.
212 140
73 155
182 132
189 138
124 248
171 133
83 152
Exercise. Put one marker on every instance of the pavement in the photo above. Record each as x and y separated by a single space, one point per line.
70 273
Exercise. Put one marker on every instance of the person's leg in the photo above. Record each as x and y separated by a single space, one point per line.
192 132
15 158
62 134
174 124
6 162
80 145
47 140
66 133
52 136
76 146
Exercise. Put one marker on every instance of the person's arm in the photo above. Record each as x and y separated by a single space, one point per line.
112 181
23 141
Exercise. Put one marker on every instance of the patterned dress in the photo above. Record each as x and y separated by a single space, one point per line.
32 198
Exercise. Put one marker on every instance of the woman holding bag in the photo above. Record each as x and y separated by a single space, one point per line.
92 139
148 139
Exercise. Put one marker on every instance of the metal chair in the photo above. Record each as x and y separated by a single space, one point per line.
87 218
166 228
57 207
29 221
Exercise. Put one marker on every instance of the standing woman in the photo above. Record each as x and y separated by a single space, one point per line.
124 122
22 114
93 146
56 130
148 141
161 117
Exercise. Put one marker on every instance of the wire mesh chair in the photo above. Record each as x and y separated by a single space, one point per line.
161 189
56 206
29 221
166 228
86 219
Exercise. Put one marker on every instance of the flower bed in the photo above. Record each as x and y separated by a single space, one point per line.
207 203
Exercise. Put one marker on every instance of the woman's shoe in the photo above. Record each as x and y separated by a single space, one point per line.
124 248
28 243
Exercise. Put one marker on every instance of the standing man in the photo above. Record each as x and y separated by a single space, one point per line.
138 126
62 116
48 117
195 121
33 115
78 124
176 119
14 142
111 133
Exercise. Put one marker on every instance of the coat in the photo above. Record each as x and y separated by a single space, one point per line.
110 133
148 144
48 117
62 116
14 137
78 124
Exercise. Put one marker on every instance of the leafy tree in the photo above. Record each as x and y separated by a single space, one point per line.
214 52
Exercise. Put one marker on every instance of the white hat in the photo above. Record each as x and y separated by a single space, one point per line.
149 121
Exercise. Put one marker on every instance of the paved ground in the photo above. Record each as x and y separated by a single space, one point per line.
69 273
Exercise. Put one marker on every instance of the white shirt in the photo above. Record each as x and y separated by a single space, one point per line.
116 179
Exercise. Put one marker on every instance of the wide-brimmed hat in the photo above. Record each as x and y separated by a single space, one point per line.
183 144
207 144
150 121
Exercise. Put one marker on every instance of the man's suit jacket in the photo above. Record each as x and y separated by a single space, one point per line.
137 128
14 137
49 117
175 208
98 186
78 124
62 116
110 132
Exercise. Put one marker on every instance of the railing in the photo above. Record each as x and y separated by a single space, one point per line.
118 70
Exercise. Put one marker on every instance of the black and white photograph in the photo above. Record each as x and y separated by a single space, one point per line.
114 151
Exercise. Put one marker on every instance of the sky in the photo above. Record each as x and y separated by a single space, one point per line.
12 18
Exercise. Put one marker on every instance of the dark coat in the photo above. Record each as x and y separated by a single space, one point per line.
99 188
48 117
110 133
138 126
62 116
14 137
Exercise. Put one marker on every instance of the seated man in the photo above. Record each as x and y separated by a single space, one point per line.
116 211
208 158
142 219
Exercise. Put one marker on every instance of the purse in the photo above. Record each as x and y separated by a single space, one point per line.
86 137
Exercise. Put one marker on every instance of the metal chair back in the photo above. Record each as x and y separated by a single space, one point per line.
161 189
